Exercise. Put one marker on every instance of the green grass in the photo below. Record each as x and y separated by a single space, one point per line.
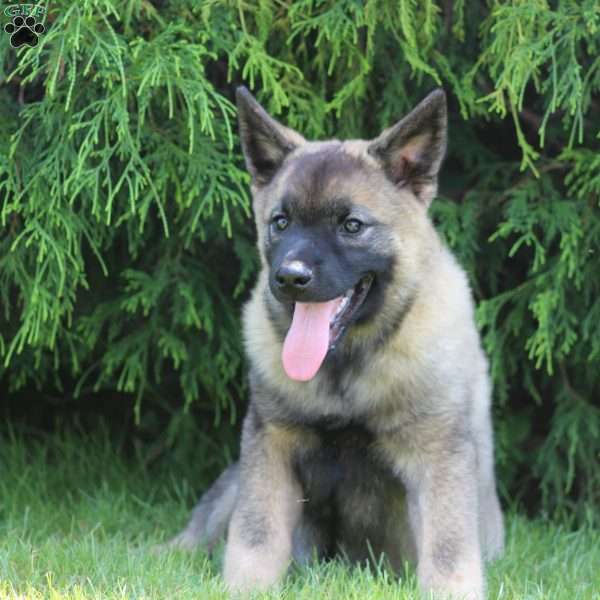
78 522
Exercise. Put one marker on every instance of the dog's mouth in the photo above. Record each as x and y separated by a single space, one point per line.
351 301
317 327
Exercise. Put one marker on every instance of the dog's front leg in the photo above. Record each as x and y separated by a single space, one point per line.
443 512
259 543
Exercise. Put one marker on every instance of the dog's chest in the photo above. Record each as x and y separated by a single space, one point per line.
344 456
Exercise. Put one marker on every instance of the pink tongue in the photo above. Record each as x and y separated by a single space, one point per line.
307 341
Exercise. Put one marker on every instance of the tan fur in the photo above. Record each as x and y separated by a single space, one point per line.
250 566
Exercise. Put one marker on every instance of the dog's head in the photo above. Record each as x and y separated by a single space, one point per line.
338 222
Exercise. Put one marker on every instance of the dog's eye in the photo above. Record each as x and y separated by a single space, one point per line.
280 222
352 225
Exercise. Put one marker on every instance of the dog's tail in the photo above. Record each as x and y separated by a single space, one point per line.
210 517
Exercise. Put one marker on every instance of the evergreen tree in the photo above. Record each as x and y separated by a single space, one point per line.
126 243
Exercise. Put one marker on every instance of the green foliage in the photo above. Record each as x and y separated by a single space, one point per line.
126 243
89 531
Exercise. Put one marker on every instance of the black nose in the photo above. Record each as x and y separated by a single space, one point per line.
294 274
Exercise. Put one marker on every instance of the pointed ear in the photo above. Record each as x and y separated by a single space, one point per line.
411 151
265 141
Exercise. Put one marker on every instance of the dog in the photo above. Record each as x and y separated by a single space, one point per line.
368 430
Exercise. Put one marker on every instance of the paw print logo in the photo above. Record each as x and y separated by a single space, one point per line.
24 31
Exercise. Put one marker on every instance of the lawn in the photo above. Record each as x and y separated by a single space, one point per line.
78 521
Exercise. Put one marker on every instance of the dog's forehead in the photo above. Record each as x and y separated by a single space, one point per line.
319 178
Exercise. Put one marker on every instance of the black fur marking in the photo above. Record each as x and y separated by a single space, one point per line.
387 330
445 554
257 420
337 264
309 177
337 268
342 446
254 526
338 363
382 266
323 522
335 209
332 475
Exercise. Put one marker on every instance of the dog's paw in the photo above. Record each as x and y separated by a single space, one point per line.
465 582
24 32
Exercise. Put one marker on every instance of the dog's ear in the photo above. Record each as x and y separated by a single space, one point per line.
265 141
411 151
